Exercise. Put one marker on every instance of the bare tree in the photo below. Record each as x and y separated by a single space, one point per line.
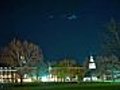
108 67
111 41
23 55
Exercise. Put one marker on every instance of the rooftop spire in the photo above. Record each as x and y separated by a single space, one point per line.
92 64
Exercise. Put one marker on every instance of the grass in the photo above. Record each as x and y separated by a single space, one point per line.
63 86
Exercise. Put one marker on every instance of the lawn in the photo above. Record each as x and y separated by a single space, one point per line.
64 86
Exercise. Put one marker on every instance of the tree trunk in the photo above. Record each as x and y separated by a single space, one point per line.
113 79
21 79
12 77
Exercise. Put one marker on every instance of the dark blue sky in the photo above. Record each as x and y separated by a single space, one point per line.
62 28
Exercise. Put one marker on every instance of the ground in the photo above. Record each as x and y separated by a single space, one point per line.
62 86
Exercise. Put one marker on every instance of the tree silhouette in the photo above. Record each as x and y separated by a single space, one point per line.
111 41
23 55
108 67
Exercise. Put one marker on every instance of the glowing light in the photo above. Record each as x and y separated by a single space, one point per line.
48 78
92 64
44 79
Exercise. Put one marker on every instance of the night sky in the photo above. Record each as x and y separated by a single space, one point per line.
62 28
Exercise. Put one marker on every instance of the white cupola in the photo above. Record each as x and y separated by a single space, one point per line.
92 64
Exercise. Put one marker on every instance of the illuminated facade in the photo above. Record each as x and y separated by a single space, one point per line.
10 75
63 74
